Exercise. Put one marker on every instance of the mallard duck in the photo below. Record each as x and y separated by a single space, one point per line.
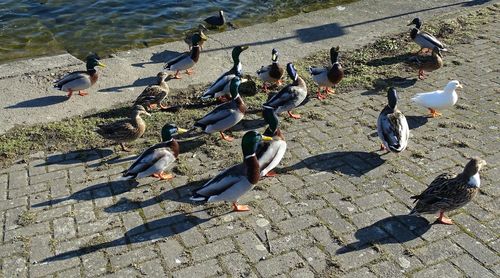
428 63
187 60
448 192
125 130
188 39
269 154
272 73
328 77
220 88
232 183
424 39
80 80
290 96
216 20
439 99
225 115
392 127
154 160
153 95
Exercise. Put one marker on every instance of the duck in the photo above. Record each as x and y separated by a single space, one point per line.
188 39
272 73
428 63
270 153
232 183
80 80
153 95
449 192
216 20
154 160
220 88
187 60
328 77
290 96
439 99
225 115
392 127
125 130
424 39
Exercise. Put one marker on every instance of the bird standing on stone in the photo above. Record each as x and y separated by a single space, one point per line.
270 153
449 192
187 60
272 73
392 127
328 77
439 99
80 80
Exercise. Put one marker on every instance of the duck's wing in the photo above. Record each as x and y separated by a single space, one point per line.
221 182
264 69
117 130
426 37
286 95
393 130
218 85
152 93
163 158
270 155
147 158
219 113
176 60
317 70
75 81
437 195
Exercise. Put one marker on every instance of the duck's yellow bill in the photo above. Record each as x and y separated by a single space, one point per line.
181 130
101 64
459 86
244 47
267 138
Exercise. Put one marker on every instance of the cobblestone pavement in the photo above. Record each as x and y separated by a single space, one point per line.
338 208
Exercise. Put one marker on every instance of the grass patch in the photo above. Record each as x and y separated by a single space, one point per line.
26 218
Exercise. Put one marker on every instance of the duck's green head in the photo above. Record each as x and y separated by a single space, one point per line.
292 72
233 87
436 51
251 141
271 120
197 38
417 22
334 54
275 55
237 51
169 130
392 97
92 62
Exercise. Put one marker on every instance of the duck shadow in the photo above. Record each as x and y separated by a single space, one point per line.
394 229
150 231
390 60
415 122
39 102
381 84
72 157
348 163
178 194
475 3
245 125
141 82
159 57
101 190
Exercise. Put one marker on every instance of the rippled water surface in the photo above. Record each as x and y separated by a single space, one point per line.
35 28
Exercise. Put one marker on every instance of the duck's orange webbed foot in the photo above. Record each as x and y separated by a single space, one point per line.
177 76
443 219
295 116
70 93
163 176
237 207
82 93
189 71
434 113
271 174
226 137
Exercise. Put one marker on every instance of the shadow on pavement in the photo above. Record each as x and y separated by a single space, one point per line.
392 229
39 102
159 57
72 157
416 121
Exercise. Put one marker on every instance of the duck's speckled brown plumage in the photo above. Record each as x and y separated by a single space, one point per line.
449 192
155 94
125 130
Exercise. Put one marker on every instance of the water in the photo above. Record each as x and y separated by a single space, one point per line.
35 28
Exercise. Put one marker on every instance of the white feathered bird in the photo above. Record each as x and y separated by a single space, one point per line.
439 99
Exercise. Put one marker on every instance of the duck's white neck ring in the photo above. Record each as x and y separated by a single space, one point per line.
248 156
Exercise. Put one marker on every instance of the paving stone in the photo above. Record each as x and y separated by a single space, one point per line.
302 273
296 224
33 229
98 225
362 272
251 246
388 269
14 267
48 177
18 179
173 253
474 227
132 220
8 204
83 212
205 269
437 251
9 249
236 266
213 249
70 273
222 231
374 200
40 248
479 251
444 269
279 264
335 221
64 228
39 270
314 257
471 268
134 256
273 210
367 218
305 206
94 264
152 269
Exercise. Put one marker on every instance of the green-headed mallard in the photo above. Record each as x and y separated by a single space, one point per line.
225 115
449 192
328 77
234 182
291 96
424 39
80 80
220 88
125 130
188 39
187 60
392 127
216 20
270 153
153 95
272 73
428 63
439 99
154 160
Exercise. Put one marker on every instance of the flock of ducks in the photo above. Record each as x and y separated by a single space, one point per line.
263 152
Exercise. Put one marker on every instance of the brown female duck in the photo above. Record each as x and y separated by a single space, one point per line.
428 63
153 95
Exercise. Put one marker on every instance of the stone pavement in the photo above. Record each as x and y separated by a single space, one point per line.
338 208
